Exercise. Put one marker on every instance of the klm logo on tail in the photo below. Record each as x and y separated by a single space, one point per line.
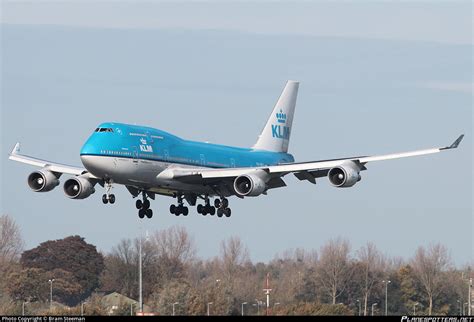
280 131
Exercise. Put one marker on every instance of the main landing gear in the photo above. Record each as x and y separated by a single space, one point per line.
179 209
222 206
144 207
108 197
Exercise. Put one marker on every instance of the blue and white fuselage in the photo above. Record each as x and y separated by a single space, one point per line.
136 156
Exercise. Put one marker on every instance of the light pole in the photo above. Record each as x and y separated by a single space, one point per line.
463 310
51 294
243 307
469 297
460 312
386 295
23 308
82 308
414 307
358 301
175 303
258 306
374 304
208 304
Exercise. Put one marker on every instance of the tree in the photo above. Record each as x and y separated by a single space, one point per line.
333 270
429 266
71 254
11 242
373 265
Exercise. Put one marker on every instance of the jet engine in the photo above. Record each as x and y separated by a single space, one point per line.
43 180
345 175
251 184
78 187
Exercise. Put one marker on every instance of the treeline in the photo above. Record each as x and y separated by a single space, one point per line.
333 279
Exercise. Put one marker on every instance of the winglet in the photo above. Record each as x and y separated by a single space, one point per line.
16 149
455 143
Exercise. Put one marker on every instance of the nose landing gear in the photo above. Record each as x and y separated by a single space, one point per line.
108 197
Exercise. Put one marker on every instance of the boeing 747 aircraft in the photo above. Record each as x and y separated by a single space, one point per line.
149 161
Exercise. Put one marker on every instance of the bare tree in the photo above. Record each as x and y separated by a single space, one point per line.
333 270
11 243
429 266
374 265
234 253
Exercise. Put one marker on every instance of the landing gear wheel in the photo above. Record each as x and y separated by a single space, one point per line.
149 213
224 203
146 204
104 199
217 203
185 211
173 209
220 212
139 204
212 211
112 199
200 208
141 213
227 212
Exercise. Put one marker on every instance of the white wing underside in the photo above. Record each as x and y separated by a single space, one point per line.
314 168
52 166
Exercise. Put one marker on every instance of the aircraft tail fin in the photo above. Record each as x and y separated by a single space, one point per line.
275 136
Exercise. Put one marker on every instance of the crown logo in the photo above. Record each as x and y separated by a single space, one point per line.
143 141
281 117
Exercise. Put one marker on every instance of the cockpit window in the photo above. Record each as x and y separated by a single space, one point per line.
104 129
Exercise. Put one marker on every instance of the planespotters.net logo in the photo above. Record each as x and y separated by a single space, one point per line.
437 319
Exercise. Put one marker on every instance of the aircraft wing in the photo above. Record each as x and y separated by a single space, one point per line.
52 166
303 170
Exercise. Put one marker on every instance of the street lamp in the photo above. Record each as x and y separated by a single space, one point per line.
23 308
463 311
386 293
175 303
51 294
258 306
243 307
374 304
460 311
208 304
414 307
82 308
358 301
469 297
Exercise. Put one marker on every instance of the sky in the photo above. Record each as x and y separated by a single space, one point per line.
376 77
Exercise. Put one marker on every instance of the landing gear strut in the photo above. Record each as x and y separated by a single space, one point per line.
206 208
108 197
144 207
179 209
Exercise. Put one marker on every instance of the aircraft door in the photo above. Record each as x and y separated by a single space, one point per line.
135 155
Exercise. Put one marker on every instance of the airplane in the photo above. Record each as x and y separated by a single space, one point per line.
150 162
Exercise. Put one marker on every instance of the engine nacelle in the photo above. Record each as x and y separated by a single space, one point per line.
43 180
345 175
78 188
251 184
